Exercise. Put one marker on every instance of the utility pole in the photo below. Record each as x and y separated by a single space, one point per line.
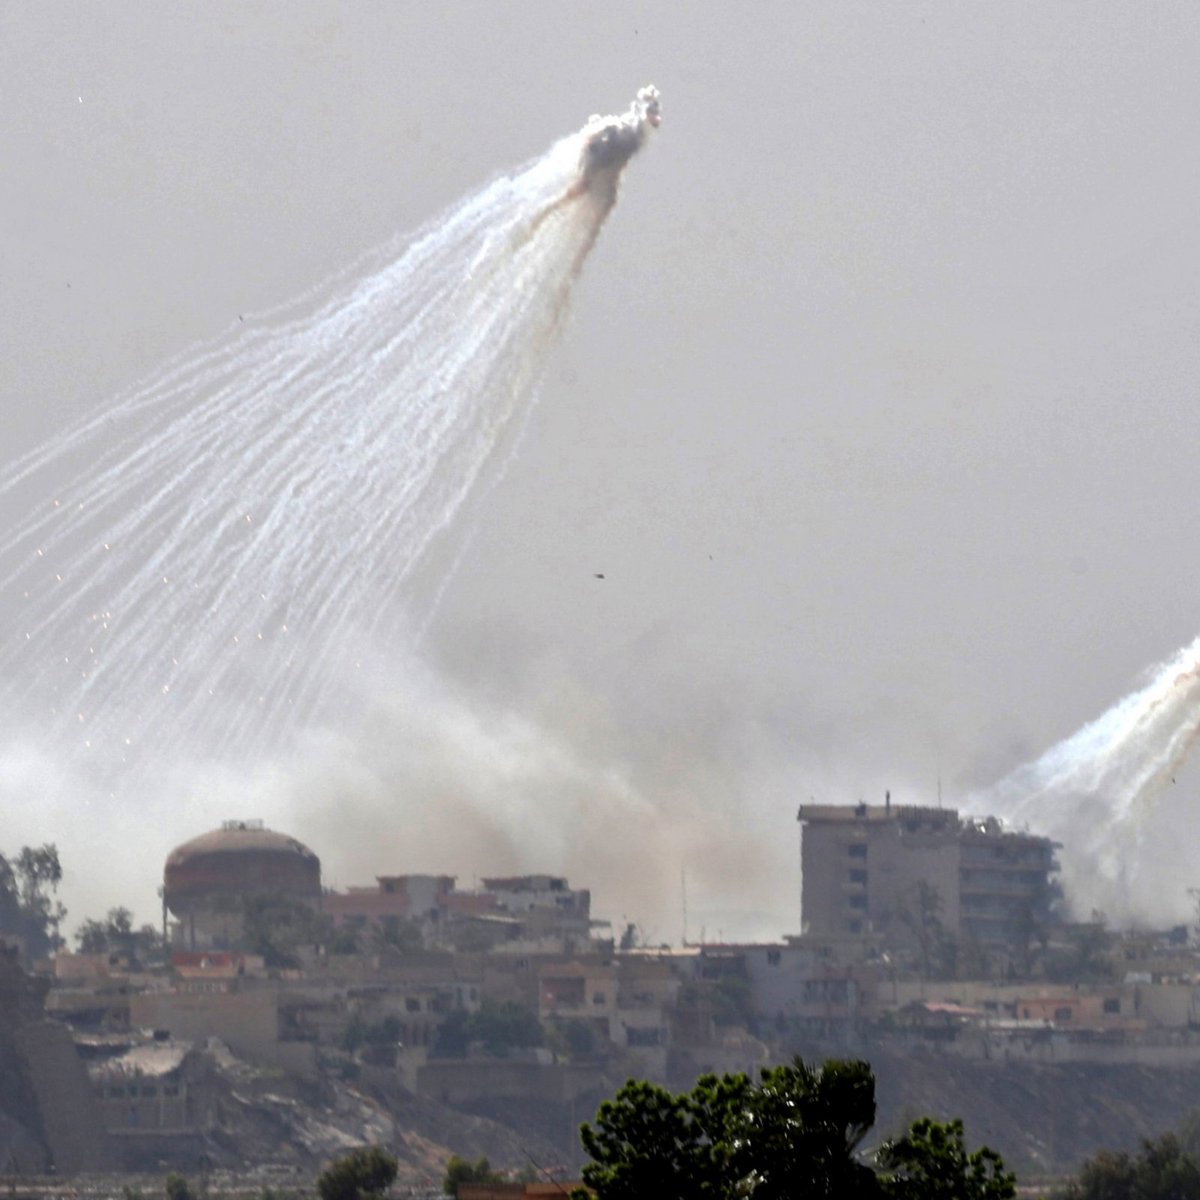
683 893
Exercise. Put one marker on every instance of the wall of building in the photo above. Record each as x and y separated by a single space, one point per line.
246 1021
887 870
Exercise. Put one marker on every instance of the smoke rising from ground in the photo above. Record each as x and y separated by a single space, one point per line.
448 777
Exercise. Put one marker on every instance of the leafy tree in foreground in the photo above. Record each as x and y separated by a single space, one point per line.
800 1132
649 1142
359 1175
795 1133
930 1162
1161 1170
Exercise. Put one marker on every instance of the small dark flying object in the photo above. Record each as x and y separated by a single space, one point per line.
598 575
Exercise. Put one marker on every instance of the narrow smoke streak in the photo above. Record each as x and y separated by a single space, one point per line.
1096 789
243 528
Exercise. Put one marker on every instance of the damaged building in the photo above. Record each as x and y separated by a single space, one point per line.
900 873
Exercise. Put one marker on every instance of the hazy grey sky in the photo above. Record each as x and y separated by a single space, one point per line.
877 410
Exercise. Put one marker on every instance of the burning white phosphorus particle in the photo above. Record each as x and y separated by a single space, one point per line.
352 424
1095 789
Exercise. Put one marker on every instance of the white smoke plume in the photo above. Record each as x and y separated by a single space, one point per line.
1096 790
242 532
215 616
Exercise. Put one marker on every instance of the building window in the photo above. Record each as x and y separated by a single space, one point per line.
412 1004
772 958
1112 1004
857 849
858 875
1062 1014
855 926
858 901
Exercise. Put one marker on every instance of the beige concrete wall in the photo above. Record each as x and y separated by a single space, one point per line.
1170 1005
247 1022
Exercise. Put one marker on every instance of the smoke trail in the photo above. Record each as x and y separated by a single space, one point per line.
241 531
1095 789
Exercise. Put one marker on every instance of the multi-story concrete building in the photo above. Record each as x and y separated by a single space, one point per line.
535 910
908 874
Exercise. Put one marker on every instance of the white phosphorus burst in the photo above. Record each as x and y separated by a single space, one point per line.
1096 788
242 527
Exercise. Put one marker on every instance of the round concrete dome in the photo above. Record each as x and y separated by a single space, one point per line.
242 858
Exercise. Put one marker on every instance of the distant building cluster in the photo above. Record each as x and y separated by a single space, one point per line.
921 927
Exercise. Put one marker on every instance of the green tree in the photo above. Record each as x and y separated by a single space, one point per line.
1087 957
1160 1170
801 1131
930 1162
116 935
361 1174
176 1187
277 926
453 1036
648 1142
461 1170
937 950
797 1132
400 934
501 1027
29 906
732 1002
385 1032
580 1038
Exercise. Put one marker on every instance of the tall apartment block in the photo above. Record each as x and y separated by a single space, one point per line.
863 866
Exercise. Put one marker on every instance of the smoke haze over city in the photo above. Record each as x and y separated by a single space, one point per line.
864 460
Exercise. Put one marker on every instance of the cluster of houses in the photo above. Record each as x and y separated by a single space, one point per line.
438 989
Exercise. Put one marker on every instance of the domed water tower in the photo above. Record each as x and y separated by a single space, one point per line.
208 881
